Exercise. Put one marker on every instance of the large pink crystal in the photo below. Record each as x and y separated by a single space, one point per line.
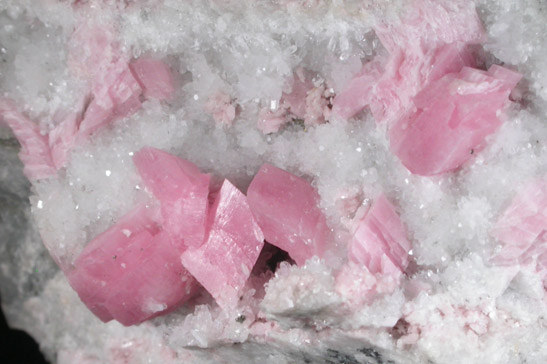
379 241
130 272
182 191
430 41
286 209
454 116
232 245
438 109
35 153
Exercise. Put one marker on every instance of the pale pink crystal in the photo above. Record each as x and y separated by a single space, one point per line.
317 106
220 105
35 153
129 273
296 99
117 90
522 223
95 117
182 191
232 245
379 241
62 139
454 116
306 100
271 121
154 77
286 209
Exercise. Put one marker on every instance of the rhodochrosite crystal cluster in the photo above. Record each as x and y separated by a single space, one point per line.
350 181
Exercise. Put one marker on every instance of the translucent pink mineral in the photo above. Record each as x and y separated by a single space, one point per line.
286 209
130 272
223 263
379 241
182 191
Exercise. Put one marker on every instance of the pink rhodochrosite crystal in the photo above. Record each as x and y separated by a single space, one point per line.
454 116
35 153
182 191
130 272
379 241
522 223
286 209
150 132
154 77
223 263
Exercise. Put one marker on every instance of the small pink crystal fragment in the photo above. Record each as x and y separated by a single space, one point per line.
296 99
155 78
522 223
35 153
286 209
454 115
221 107
271 121
225 260
379 241
62 139
358 93
95 117
182 191
130 273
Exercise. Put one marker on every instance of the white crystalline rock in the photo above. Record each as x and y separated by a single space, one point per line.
452 307
295 292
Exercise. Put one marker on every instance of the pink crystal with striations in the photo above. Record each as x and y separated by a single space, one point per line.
232 245
379 241
130 273
522 223
454 116
35 153
286 209
154 77
182 191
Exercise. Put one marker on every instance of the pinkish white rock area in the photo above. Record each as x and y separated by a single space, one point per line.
276 181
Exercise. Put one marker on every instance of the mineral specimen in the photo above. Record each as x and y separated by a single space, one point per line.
279 181
285 208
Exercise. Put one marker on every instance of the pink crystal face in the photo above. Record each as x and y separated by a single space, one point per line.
522 230
285 207
380 241
454 116
35 153
438 109
182 191
223 263
419 50
296 99
154 77
523 224
129 273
